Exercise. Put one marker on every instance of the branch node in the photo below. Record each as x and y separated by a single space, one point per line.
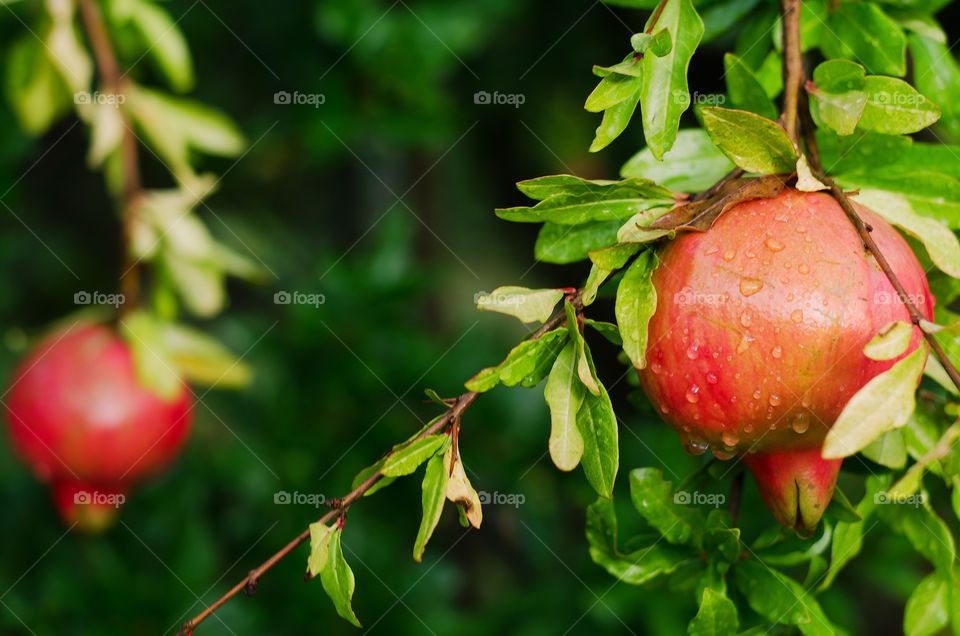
251 587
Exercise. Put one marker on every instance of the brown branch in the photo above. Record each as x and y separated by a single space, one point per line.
451 416
792 67
816 166
112 81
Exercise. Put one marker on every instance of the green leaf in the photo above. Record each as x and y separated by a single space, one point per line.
528 305
862 31
936 74
635 306
664 95
434 494
640 565
152 362
608 330
614 122
485 380
585 370
612 90
927 610
930 194
564 395
591 201
365 474
894 107
172 126
891 342
720 17
527 363
320 535
752 142
942 245
164 41
888 450
848 536
614 257
654 499
691 165
337 579
717 616
409 458
927 533
33 87
597 424
840 111
780 599
839 76
745 90
202 359
883 404
570 243
861 152
631 65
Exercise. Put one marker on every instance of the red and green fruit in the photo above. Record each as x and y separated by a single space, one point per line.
757 341
82 421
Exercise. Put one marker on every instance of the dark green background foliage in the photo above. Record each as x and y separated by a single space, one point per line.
315 199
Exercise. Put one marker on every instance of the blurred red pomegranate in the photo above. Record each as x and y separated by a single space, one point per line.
81 420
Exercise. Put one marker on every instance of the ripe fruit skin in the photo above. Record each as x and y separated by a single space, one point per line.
81 420
757 341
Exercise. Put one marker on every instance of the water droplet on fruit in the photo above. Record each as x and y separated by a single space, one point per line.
756 394
801 229
797 316
730 439
750 254
656 367
776 352
787 265
744 344
721 455
693 351
745 319
711 378
664 409
801 422
692 392
712 250
774 399
695 446
748 428
750 286
803 268
729 255
773 245
785 280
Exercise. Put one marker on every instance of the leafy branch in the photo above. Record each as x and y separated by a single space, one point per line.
450 419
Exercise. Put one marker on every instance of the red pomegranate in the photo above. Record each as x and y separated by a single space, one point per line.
757 342
81 420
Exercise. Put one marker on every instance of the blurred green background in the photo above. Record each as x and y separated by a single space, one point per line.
380 199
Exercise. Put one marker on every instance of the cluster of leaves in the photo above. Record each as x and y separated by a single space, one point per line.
50 74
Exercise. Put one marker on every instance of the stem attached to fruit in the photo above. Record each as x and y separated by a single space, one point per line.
452 416
113 81
793 76
796 102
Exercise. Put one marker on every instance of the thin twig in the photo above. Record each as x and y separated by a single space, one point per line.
452 415
112 82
